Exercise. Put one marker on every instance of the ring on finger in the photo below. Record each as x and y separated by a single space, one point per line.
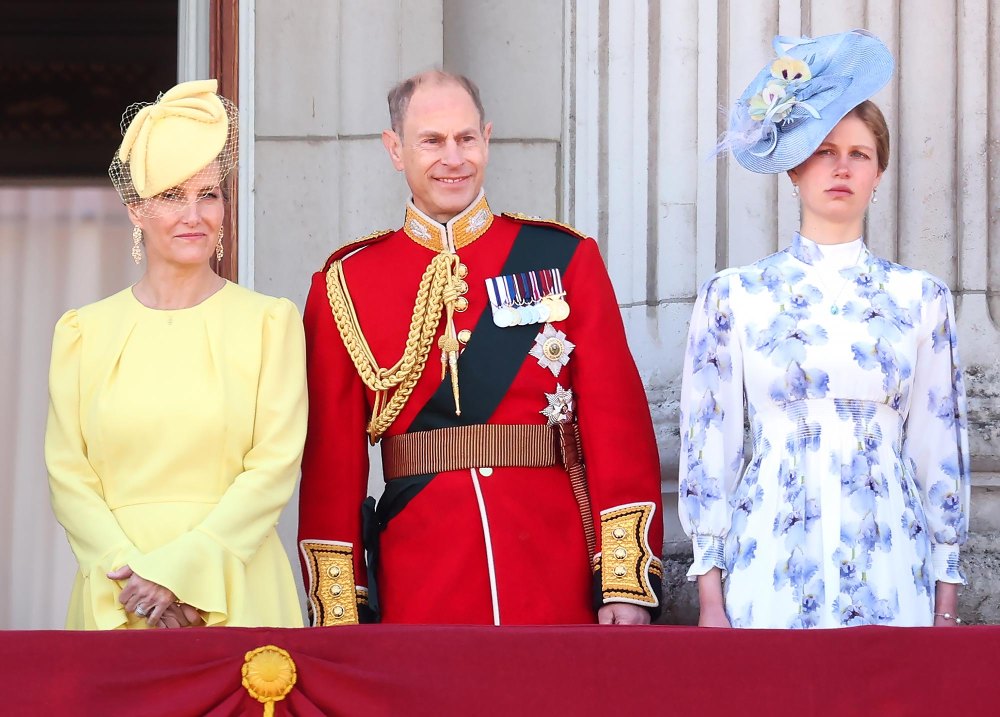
141 611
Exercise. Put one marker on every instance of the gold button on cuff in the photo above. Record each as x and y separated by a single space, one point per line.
464 335
338 611
626 561
330 584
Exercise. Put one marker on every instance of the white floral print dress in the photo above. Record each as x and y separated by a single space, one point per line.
855 498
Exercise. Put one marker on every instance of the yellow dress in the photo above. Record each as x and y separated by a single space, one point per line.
173 442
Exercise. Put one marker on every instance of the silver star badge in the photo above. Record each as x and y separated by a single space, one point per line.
560 408
552 349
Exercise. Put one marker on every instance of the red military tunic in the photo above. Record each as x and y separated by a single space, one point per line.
481 544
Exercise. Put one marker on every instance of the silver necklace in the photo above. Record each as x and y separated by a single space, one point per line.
834 308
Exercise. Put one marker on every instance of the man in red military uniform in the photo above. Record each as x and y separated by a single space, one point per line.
487 356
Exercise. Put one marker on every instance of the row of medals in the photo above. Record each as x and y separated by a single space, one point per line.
550 308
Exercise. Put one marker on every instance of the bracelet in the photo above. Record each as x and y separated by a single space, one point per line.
949 616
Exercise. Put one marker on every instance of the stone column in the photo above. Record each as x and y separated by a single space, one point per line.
647 87
322 177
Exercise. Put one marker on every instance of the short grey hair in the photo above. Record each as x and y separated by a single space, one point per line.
399 96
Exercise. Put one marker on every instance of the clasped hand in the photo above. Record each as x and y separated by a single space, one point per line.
620 613
154 602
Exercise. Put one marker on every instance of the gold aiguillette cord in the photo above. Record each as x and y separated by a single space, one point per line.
438 289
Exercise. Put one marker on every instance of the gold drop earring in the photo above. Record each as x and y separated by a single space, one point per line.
137 245
219 250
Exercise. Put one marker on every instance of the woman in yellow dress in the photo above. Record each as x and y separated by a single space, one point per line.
178 406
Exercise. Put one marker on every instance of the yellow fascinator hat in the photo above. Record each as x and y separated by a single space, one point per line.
188 133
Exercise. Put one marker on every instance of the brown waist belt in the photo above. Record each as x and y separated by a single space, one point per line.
479 446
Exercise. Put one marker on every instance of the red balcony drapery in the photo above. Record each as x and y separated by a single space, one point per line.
588 670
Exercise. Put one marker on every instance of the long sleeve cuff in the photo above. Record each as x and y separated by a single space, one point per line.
944 558
629 571
198 570
102 610
333 594
709 552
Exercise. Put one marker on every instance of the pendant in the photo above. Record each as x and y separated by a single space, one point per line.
834 310
504 317
558 310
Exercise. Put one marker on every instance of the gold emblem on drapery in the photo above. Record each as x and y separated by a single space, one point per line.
268 675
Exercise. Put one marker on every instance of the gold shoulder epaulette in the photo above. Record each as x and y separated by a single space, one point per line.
538 221
350 246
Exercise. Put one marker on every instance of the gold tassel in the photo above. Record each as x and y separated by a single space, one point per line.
449 361
448 342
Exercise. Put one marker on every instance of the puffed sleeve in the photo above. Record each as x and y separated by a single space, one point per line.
202 565
711 428
97 540
936 444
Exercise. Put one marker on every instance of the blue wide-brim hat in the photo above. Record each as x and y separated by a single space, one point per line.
798 98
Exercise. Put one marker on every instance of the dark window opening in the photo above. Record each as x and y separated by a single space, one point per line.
68 69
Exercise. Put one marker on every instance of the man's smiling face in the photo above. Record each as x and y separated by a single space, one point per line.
443 149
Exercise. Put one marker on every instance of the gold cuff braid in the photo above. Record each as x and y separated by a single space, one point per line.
331 589
626 558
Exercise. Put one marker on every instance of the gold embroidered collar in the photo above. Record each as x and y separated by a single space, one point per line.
460 231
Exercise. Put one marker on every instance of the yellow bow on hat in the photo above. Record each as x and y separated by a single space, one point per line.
170 141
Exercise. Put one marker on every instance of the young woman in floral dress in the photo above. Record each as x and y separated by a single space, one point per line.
854 501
